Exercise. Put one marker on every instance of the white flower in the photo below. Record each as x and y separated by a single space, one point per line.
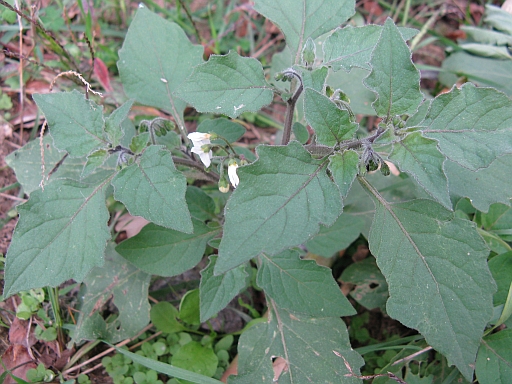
233 177
200 139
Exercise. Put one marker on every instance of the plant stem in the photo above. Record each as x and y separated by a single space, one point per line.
290 109
190 163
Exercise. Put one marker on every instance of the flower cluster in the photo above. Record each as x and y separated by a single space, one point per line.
202 147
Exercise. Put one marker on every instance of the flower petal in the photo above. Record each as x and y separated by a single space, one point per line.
233 177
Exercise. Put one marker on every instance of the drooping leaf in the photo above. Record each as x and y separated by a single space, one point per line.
113 130
154 189
155 59
285 189
166 252
352 47
440 259
394 78
332 125
61 234
336 237
302 19
494 361
215 292
128 286
344 169
484 187
316 350
302 286
499 221
228 84
472 125
501 269
76 124
420 158
370 287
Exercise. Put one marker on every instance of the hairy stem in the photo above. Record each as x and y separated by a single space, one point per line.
290 108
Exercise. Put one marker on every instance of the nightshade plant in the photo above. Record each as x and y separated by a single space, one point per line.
454 152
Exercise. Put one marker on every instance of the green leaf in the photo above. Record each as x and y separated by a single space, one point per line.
315 350
300 20
129 288
164 317
314 79
302 286
228 129
309 53
352 46
394 78
472 125
228 84
155 59
61 234
300 132
154 189
332 125
200 204
113 129
76 124
95 160
483 187
189 307
482 71
166 252
498 220
494 361
420 158
344 169
501 269
371 289
286 189
441 259
167 369
336 237
499 18
215 292
139 142
26 162
196 358
361 98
